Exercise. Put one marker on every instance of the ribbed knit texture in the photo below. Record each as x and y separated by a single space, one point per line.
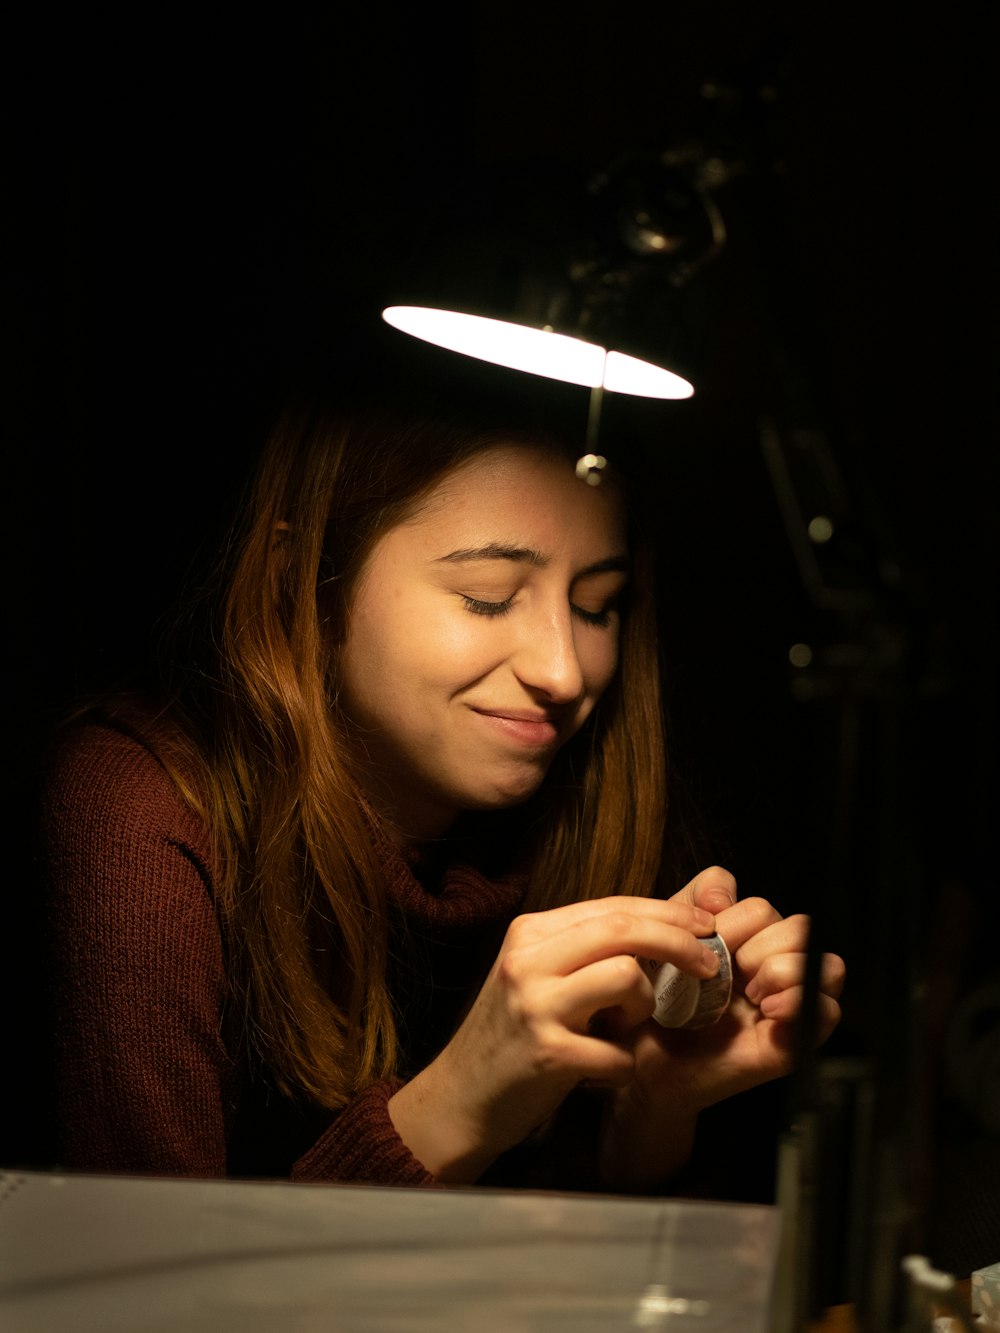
146 1082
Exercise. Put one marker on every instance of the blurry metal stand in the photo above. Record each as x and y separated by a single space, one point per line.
853 1159
852 1168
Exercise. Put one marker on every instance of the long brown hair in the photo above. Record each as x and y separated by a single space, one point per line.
299 879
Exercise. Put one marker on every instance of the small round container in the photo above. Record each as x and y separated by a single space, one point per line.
683 1001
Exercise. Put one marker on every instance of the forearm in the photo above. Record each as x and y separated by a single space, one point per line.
641 1149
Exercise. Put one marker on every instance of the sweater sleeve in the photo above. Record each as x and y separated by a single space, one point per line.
362 1145
143 1079
145 1082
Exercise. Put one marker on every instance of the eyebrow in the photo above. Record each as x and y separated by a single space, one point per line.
526 556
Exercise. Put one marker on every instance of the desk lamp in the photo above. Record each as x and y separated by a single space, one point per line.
606 312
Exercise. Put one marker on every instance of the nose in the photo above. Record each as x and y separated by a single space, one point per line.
547 661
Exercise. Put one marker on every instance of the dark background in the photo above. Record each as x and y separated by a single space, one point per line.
194 208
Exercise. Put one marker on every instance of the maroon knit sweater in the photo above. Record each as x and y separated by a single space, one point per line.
147 1079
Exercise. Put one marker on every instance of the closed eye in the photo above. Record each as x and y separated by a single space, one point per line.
479 607
600 618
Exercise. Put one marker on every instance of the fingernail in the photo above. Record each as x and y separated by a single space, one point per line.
709 961
719 899
752 990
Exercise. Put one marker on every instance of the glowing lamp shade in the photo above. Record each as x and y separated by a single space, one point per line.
537 351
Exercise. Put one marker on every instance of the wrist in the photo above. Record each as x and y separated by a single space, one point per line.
433 1128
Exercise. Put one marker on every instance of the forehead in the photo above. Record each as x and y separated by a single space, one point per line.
523 495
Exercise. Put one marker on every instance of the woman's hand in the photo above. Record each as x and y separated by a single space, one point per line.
753 1041
677 1073
532 1035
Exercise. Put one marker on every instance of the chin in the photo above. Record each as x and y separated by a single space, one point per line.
505 797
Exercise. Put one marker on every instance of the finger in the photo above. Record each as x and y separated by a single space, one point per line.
784 935
743 922
604 1063
786 1006
783 971
528 955
714 889
616 988
554 919
583 1055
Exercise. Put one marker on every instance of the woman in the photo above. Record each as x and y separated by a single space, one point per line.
362 897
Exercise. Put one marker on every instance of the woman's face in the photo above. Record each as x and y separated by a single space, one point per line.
482 632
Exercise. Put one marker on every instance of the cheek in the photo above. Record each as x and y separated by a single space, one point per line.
370 661
600 662
409 647
460 643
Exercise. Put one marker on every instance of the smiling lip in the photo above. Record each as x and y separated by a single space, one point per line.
522 725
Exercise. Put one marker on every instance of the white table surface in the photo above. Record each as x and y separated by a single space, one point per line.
110 1254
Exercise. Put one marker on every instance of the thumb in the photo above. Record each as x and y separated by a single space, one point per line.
713 890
